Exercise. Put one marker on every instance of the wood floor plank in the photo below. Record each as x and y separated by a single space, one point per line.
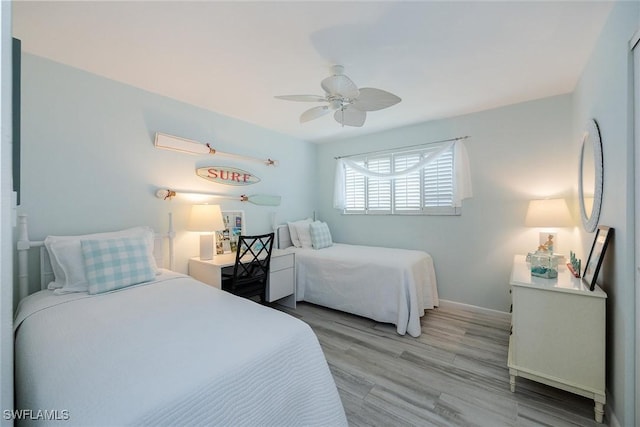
355 385
477 411
454 374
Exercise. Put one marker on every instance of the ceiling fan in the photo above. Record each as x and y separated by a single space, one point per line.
350 104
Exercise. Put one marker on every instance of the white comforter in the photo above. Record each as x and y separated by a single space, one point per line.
384 284
173 352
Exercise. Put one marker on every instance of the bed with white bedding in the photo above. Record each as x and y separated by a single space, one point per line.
169 351
384 284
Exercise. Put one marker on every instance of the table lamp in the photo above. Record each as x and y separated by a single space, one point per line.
206 219
548 213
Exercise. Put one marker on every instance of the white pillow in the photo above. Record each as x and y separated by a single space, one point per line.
293 231
58 275
67 261
293 234
304 234
68 255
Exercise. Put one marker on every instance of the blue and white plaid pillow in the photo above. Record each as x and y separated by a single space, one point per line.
320 235
112 264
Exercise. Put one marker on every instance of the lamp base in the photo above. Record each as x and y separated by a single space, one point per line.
206 246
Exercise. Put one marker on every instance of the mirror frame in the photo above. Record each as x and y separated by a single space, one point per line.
591 136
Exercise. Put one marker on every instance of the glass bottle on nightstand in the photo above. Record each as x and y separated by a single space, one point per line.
544 264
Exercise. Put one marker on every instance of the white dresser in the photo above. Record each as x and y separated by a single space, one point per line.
558 333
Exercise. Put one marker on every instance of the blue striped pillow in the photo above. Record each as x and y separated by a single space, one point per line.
320 235
112 264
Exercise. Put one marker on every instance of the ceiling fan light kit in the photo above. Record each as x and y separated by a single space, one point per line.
350 104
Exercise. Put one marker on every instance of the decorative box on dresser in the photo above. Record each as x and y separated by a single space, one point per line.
558 333
281 287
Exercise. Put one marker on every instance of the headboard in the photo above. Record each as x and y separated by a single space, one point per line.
46 272
283 236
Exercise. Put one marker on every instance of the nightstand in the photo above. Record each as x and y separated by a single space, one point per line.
558 333
281 287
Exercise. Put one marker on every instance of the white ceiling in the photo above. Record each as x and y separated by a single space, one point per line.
442 58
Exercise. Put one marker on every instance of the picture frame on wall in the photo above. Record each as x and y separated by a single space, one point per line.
596 255
227 239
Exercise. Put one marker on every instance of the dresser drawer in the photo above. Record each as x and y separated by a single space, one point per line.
281 284
281 262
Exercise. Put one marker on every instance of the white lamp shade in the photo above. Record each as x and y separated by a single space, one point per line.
548 213
206 218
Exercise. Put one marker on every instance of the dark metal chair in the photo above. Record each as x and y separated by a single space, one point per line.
248 276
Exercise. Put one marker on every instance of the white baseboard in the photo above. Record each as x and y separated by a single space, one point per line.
474 308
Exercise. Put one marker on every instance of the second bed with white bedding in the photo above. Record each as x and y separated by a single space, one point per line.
384 284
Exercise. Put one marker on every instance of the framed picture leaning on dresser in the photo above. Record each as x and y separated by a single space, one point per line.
594 262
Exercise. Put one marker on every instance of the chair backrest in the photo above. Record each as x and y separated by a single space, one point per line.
253 260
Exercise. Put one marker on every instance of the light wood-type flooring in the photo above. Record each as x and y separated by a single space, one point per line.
454 374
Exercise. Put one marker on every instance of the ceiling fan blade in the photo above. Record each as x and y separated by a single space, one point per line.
340 85
371 99
350 117
302 98
314 113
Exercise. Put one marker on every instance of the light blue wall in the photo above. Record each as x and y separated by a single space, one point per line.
605 93
89 162
516 153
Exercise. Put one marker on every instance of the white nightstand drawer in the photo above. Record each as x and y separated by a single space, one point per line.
280 285
281 262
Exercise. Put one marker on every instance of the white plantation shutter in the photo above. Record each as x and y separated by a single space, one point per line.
379 190
407 189
431 181
355 185
438 182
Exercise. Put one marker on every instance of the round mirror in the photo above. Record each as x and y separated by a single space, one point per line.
590 179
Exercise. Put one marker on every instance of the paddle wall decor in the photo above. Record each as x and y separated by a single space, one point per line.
183 145
256 199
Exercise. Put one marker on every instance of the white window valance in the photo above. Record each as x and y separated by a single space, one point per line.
461 181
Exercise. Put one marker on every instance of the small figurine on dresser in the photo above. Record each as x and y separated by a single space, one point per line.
574 264
548 245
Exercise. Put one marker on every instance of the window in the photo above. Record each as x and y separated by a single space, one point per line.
427 190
